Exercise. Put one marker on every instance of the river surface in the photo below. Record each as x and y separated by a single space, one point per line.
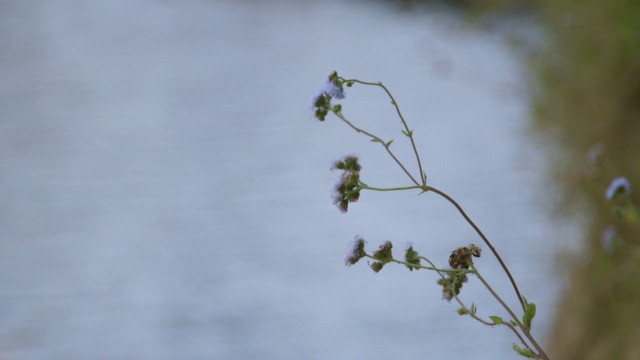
166 193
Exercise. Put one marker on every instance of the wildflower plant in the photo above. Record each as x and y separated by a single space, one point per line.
461 262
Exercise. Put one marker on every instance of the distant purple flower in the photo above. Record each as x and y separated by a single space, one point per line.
620 184
594 153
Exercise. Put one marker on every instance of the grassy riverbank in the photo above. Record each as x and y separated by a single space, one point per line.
588 102
588 107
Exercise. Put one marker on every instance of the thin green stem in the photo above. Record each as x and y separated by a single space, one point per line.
515 331
484 238
525 330
377 139
409 132
366 187
433 267
495 295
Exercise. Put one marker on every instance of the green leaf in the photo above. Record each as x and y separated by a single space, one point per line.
496 319
407 134
529 313
462 311
524 352
375 140
389 143
473 309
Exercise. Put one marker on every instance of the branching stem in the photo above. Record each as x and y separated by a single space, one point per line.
422 185
484 238
377 139
524 328
468 311
409 132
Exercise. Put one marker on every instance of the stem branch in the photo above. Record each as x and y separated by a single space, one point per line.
484 238
377 139
409 133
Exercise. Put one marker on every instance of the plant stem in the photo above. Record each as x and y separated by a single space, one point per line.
515 331
377 139
525 330
409 133
433 267
366 187
484 238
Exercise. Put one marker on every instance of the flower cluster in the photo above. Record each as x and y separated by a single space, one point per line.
411 257
383 255
461 258
452 284
321 102
348 188
356 252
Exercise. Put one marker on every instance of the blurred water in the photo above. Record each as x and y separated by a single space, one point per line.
166 193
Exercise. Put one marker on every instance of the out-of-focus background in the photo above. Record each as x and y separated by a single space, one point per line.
166 191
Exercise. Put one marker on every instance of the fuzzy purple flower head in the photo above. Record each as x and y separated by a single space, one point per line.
321 101
619 185
356 251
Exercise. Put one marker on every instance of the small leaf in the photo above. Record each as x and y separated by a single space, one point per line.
375 140
389 143
497 320
462 311
473 309
407 134
530 312
513 323
524 352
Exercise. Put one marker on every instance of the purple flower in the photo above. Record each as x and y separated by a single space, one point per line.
356 251
332 90
329 90
618 185
321 101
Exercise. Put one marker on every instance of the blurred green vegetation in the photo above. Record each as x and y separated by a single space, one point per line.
588 102
587 107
